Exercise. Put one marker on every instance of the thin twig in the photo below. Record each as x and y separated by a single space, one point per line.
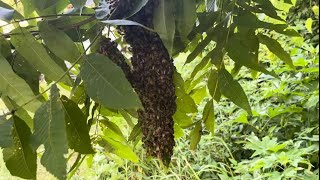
34 33
45 16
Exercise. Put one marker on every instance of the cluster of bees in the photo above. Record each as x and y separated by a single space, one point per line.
151 75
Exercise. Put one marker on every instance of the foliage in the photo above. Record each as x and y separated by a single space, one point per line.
247 95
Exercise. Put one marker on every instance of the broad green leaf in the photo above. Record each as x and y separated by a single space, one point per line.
5 48
164 23
119 146
136 131
46 6
113 127
268 9
50 130
78 3
6 133
208 116
178 131
15 87
26 71
200 46
28 7
275 47
77 129
242 118
36 55
21 113
58 42
136 7
122 150
309 22
233 90
250 20
105 82
182 119
184 102
195 136
21 159
186 16
244 51
213 85
262 147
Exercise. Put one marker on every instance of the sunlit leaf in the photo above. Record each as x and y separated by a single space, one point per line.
77 129
186 16
21 159
5 133
208 116
164 23
233 90
195 136
55 38
15 87
309 22
275 47
36 54
105 82
50 130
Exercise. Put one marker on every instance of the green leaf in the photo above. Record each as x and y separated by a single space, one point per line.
58 42
136 131
113 127
5 48
244 51
250 20
28 7
182 119
178 131
136 7
78 3
26 71
275 47
21 159
208 116
195 136
309 22
186 16
36 54
50 130
6 127
77 129
213 85
106 83
233 90
164 23
267 8
15 87
45 6
119 145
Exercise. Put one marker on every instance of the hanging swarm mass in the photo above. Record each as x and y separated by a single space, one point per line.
152 78
109 48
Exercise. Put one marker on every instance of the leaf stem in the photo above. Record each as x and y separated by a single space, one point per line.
45 16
